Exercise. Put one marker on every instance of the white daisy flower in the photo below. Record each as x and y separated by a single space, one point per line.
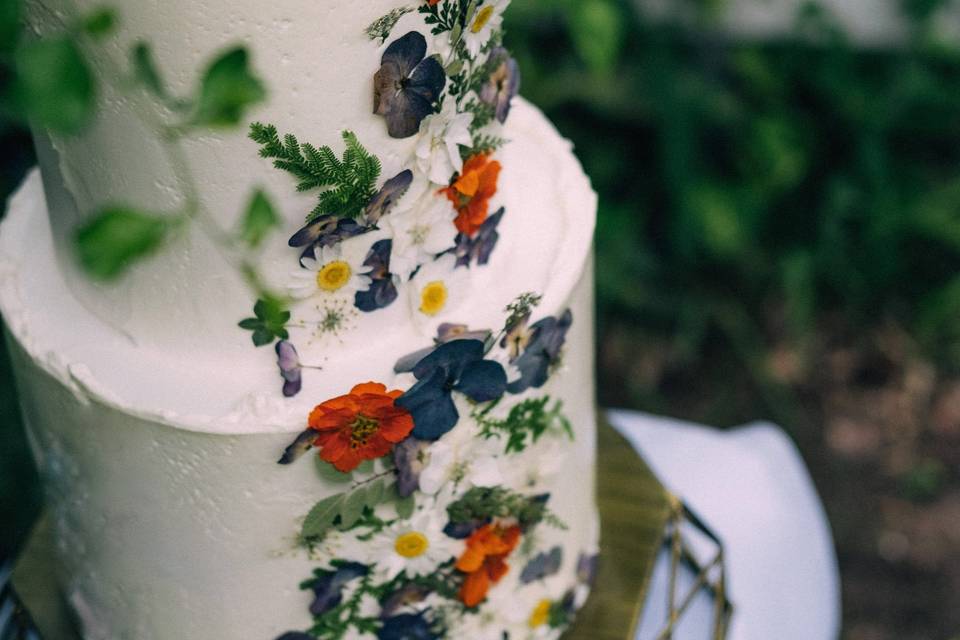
533 470
437 153
417 546
485 20
332 270
460 461
438 289
421 233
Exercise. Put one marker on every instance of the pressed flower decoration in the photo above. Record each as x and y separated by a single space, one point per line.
441 475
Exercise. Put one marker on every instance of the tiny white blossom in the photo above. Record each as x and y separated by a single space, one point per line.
438 148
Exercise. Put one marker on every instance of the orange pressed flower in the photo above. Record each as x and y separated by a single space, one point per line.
362 425
485 560
471 192
433 2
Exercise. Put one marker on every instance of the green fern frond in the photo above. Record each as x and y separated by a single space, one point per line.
346 185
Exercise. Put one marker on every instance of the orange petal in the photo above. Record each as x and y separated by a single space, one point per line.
474 589
373 388
471 560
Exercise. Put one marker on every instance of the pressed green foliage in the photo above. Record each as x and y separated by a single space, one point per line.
53 85
259 219
118 237
347 184
405 507
344 510
525 424
228 89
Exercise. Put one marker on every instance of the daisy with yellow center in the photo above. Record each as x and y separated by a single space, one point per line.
417 546
484 22
331 271
438 288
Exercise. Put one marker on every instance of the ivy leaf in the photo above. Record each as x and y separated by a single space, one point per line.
118 237
260 218
101 22
269 322
227 90
53 85
322 516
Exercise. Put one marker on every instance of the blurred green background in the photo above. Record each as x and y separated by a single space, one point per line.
779 238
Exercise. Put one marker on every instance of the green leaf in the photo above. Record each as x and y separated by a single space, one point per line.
329 473
9 24
262 337
118 237
260 218
54 86
353 507
145 70
227 90
251 324
322 516
375 493
101 22
405 507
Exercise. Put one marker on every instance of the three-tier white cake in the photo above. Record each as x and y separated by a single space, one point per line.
426 378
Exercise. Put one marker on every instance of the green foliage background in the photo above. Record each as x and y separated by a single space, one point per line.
752 191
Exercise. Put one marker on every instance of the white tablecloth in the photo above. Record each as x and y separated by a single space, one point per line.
752 488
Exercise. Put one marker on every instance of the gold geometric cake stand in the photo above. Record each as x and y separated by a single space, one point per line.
639 519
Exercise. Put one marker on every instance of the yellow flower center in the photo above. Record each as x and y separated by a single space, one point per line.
540 615
361 429
334 275
412 545
483 17
433 298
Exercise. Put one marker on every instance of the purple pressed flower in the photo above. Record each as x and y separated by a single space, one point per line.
296 635
543 565
408 626
455 366
547 338
403 597
328 586
407 86
503 83
325 231
290 368
391 191
300 445
408 456
480 246
587 567
383 290
446 332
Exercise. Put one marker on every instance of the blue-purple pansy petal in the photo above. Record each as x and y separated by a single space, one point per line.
452 356
541 566
547 339
406 52
300 445
381 294
313 231
407 86
483 381
480 247
407 626
391 191
328 588
290 369
463 530
502 85
408 594
409 460
296 635
431 407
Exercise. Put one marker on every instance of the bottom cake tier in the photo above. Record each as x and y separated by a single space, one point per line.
168 526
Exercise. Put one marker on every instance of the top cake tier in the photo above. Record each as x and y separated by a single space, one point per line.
472 201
